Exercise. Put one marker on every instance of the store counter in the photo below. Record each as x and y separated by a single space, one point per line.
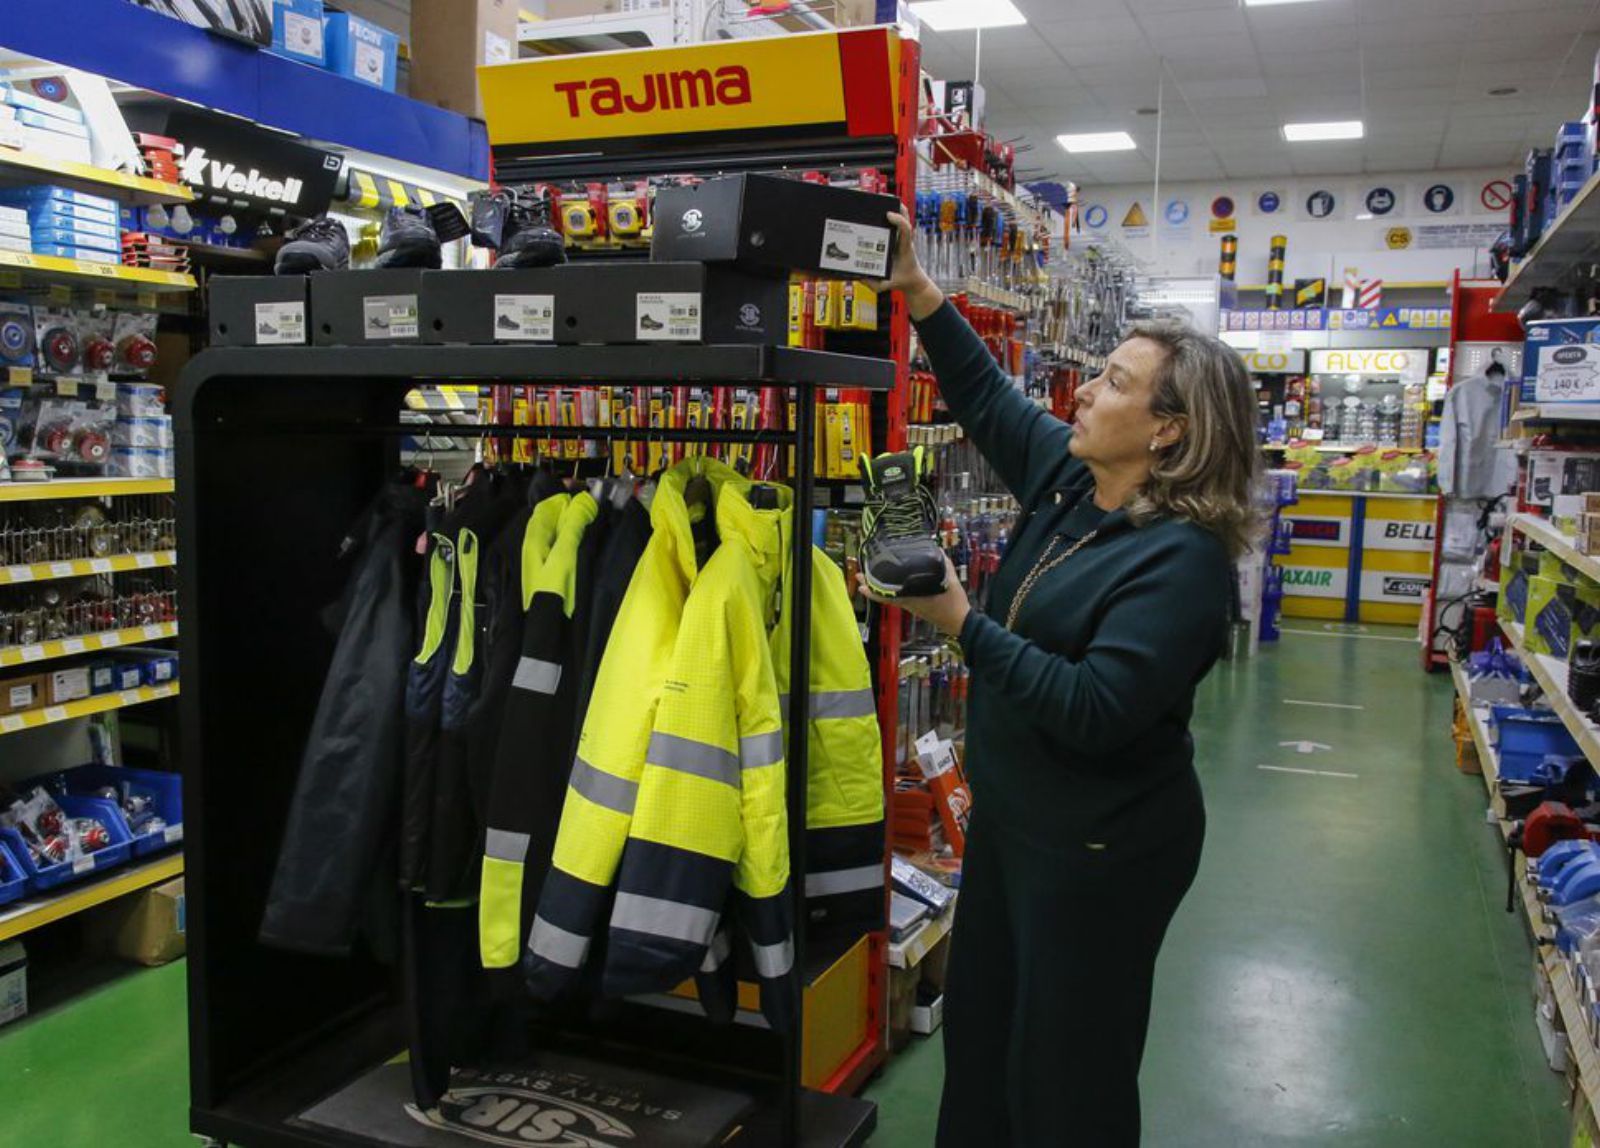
1358 556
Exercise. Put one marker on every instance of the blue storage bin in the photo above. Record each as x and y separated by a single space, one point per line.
13 881
165 791
114 854
1524 738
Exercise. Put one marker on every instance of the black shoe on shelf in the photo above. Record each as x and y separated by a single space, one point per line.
320 244
900 552
529 240
408 239
650 323
834 251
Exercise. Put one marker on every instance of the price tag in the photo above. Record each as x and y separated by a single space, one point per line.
144 561
32 653
55 713
100 565
20 574
673 315
148 299
11 723
109 640
22 259
73 646
106 270
10 278
61 569
83 864
174 833
155 632
130 697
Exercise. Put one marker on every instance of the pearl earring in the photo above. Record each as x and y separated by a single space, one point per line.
1155 445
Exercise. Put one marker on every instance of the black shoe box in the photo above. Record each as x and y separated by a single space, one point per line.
366 308
765 223
258 311
605 303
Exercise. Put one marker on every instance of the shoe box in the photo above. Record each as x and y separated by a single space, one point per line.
765 223
605 303
258 311
366 308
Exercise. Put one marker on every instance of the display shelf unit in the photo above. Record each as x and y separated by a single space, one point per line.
1557 413
1573 237
44 270
83 488
87 644
87 707
331 414
86 567
33 912
985 292
21 167
1546 534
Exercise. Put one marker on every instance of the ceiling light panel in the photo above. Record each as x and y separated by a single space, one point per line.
955 15
1329 130
1087 142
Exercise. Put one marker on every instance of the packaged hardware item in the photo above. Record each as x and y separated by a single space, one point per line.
16 335
297 31
51 836
150 431
140 400
73 434
140 462
134 336
360 50
1556 481
95 332
68 685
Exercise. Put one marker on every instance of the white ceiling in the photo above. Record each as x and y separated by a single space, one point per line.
1417 71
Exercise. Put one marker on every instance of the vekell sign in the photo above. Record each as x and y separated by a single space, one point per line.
247 167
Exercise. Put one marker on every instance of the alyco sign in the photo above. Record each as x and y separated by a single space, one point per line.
842 79
1409 365
246 167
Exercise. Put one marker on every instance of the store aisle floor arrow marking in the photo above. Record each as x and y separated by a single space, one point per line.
1310 772
1303 746
1322 705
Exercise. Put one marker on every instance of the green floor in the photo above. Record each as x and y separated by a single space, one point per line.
1343 972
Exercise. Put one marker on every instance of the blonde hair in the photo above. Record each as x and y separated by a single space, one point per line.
1208 476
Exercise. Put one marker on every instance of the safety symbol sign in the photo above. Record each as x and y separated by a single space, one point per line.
1496 195
1320 204
1178 212
1439 198
1097 216
1380 201
1222 207
1269 202
1136 217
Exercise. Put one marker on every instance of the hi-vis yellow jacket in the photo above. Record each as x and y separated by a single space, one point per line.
603 788
705 816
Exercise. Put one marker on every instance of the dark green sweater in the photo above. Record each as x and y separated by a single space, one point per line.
1079 721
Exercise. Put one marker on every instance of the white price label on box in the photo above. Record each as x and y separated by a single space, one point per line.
11 723
21 574
935 755
83 864
389 317
32 653
55 713
61 570
100 565
154 632
73 646
855 248
369 64
302 33
525 318
280 324
174 833
145 561
672 315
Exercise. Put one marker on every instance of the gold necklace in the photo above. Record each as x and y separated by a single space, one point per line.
1040 568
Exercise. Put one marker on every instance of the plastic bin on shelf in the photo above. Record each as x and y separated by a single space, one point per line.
114 854
165 791
13 880
1524 738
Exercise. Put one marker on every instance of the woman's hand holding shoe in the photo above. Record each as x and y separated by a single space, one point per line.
923 296
947 610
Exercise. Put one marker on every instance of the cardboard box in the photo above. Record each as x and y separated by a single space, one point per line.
360 50
258 311
19 694
363 308
769 224
449 40
69 685
13 982
1558 480
297 31
148 927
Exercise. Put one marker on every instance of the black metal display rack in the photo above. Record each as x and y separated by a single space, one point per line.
278 451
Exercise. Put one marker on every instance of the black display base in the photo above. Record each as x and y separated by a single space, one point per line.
258 311
366 308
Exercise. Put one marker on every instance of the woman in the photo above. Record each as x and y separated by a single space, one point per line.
1110 607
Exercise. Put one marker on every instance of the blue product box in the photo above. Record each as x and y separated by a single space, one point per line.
81 254
69 226
297 30
73 237
57 214
39 197
1572 140
361 50
1546 337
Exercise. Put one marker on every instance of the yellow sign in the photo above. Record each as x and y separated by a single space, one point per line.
1136 217
1223 226
1399 238
783 81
